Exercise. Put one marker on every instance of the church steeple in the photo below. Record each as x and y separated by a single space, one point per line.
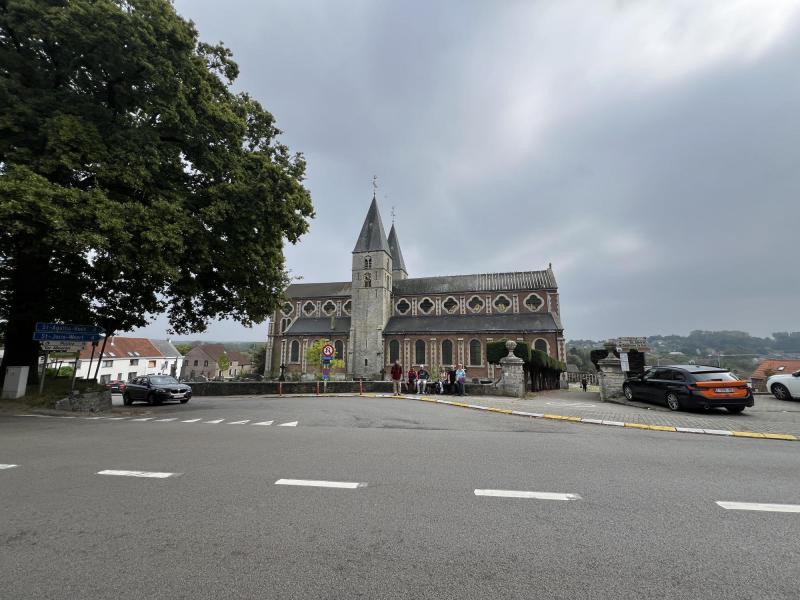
398 264
372 237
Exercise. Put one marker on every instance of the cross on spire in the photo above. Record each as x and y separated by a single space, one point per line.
393 215
374 185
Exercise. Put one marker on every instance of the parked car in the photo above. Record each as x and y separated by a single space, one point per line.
155 389
690 386
785 386
117 386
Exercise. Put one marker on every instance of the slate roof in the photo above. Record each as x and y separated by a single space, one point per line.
523 322
240 357
319 290
212 351
789 367
372 237
398 264
166 348
320 326
479 282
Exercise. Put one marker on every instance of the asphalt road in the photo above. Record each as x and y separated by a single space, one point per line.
643 521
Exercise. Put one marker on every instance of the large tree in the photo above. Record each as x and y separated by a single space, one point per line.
133 180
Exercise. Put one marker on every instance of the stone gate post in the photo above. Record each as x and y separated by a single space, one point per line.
610 377
513 382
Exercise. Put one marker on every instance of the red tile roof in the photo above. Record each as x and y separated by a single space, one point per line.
789 366
123 347
240 357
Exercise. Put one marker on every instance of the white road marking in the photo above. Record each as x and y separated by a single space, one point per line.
349 485
37 416
264 423
718 431
522 413
614 423
145 419
534 495
595 421
191 421
214 422
151 474
239 422
789 508
93 418
115 418
291 424
166 420
7 466
690 430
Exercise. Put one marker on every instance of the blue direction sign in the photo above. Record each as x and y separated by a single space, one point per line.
53 336
68 328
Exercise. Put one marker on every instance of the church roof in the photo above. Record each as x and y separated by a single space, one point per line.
322 326
319 290
398 264
480 282
521 323
372 237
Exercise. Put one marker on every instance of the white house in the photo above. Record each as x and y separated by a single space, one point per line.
125 358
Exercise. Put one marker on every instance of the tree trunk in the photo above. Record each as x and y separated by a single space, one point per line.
28 303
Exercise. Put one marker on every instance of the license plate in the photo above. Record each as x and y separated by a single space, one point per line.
724 390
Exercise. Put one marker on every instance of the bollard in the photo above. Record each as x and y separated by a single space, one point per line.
318 388
360 387
280 388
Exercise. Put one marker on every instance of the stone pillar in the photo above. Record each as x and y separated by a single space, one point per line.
513 382
610 377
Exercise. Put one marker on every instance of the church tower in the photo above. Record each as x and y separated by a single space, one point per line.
398 264
371 296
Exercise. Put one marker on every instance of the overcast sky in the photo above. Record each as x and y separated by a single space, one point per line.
648 149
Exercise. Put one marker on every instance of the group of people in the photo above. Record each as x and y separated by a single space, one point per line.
450 381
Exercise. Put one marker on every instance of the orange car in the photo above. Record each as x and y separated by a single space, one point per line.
690 386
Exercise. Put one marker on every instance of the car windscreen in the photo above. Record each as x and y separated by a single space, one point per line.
714 376
163 380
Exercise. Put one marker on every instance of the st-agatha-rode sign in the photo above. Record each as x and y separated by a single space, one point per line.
328 350
65 332
68 328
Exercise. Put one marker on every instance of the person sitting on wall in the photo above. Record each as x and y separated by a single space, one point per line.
461 379
422 379
411 380
397 377
441 385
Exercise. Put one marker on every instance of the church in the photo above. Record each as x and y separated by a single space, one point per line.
382 315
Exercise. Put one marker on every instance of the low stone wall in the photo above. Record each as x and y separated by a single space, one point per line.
86 401
271 388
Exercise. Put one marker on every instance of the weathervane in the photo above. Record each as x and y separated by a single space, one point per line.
393 214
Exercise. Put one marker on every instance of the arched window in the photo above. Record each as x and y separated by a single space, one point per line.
540 344
285 324
394 351
294 353
368 262
475 353
419 352
367 279
447 352
338 349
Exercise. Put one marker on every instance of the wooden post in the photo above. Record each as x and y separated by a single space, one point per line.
44 371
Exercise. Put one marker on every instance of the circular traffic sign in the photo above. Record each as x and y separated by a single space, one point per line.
327 350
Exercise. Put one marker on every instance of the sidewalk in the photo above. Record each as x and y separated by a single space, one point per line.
769 416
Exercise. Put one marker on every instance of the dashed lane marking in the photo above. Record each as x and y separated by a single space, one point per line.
290 424
530 495
7 466
787 508
144 419
191 420
214 422
349 485
264 423
239 422
166 420
149 474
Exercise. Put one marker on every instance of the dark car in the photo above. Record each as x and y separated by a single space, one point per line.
690 386
117 386
155 389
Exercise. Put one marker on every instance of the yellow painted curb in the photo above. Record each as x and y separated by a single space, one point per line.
751 434
461 404
781 436
662 428
562 418
506 411
638 426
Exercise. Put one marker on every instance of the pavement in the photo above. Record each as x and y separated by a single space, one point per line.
383 498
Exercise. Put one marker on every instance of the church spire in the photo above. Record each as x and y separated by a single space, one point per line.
372 237
398 264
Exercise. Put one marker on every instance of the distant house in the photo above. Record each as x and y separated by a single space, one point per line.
204 362
125 358
769 367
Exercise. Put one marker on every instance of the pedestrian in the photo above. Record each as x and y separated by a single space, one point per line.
584 384
461 379
397 377
451 378
422 379
411 380
442 383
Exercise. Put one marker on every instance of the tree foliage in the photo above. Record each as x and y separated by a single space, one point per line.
224 361
314 357
133 181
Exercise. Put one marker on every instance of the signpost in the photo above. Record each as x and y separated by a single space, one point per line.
327 356
64 337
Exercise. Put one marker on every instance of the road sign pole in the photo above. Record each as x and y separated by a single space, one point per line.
74 372
44 372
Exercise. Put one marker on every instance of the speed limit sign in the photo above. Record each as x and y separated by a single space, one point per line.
327 350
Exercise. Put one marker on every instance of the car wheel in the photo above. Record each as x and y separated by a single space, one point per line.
184 400
152 400
126 400
735 409
626 389
673 403
780 392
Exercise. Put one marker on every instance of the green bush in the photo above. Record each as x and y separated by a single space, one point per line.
497 350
